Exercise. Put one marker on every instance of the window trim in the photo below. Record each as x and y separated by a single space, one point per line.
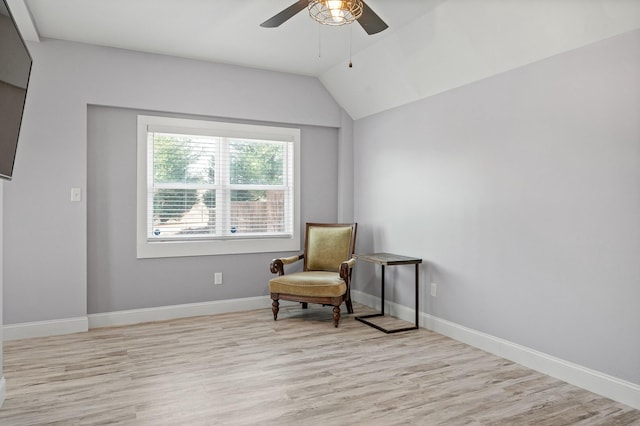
232 245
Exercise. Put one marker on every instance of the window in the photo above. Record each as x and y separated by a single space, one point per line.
208 187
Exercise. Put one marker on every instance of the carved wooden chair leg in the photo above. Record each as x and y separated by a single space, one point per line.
336 315
275 307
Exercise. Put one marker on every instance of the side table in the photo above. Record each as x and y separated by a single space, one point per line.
388 259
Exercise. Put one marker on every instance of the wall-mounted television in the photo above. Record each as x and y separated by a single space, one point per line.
15 68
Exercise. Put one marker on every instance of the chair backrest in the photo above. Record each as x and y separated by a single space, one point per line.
327 245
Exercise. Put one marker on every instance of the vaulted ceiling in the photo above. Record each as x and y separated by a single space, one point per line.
430 46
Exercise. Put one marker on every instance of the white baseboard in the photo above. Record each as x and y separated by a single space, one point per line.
3 390
27 330
136 316
594 381
161 313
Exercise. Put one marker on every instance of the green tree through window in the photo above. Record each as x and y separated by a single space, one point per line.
254 163
171 159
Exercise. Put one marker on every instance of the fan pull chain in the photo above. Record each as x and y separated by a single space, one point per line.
319 43
350 43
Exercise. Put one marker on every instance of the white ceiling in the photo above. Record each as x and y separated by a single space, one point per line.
225 31
430 46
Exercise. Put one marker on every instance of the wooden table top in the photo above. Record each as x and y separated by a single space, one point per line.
387 259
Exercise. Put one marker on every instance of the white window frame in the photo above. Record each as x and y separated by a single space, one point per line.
232 245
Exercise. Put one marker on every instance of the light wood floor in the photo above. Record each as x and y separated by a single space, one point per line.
246 369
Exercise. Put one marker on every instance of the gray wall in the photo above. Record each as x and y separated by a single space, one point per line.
522 194
119 281
1 287
45 234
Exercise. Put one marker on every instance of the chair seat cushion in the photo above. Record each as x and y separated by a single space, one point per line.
310 283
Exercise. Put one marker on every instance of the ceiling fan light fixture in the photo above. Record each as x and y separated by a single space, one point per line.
335 12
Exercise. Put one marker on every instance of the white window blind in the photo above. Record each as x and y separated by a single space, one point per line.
209 181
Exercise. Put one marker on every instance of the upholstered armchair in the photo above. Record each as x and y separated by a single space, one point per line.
326 274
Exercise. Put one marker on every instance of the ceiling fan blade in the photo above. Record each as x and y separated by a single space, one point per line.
371 22
285 15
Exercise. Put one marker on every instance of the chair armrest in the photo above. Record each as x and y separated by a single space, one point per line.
345 268
277 265
291 259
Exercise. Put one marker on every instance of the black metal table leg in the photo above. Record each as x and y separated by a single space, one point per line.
384 259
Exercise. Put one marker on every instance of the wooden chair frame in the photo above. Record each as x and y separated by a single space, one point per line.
345 272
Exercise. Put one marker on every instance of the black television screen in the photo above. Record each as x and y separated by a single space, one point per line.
15 67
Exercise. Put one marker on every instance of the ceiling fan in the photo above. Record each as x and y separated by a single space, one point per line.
332 12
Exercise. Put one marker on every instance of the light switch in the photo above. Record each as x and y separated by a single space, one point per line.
76 194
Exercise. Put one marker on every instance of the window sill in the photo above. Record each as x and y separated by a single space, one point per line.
147 250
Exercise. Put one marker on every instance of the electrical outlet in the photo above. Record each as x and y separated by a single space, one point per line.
434 289
76 194
217 278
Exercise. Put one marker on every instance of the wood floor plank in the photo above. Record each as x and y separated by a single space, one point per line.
245 369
